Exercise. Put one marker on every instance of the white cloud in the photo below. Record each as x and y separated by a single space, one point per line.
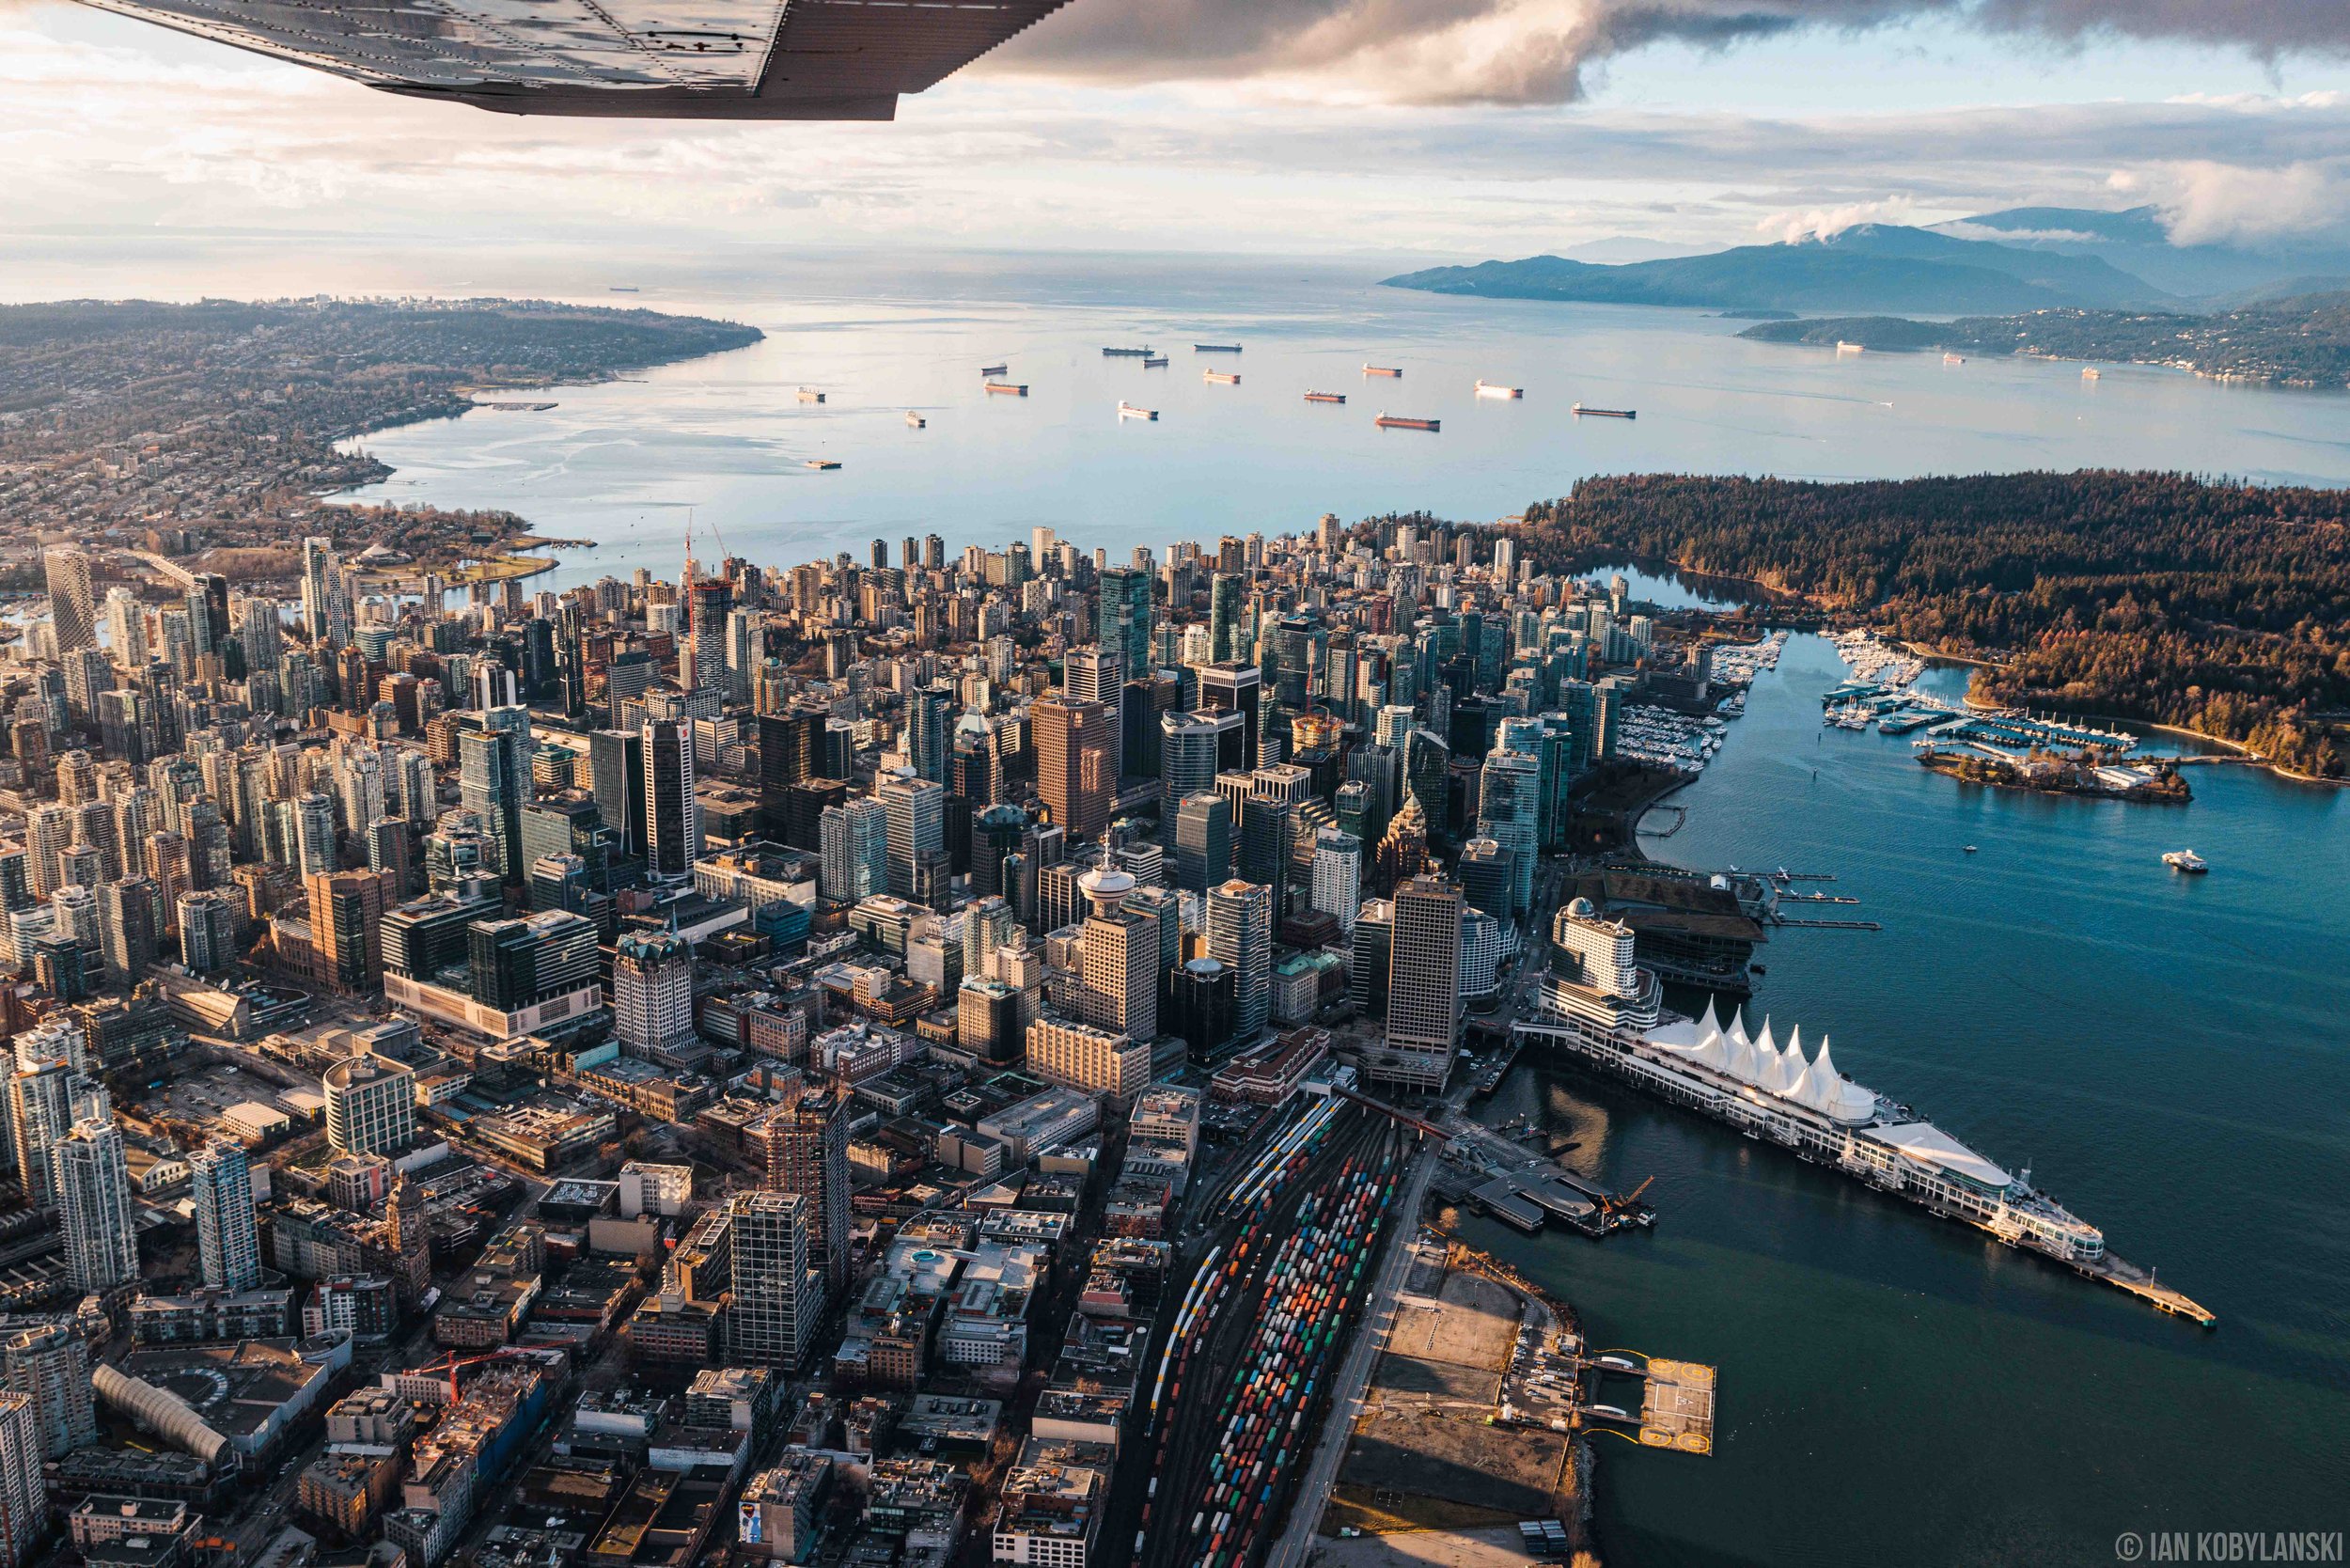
2207 202
1820 222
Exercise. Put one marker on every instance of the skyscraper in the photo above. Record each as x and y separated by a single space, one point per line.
1119 963
347 911
72 606
673 823
1223 617
1423 986
1239 937
1073 764
1508 805
227 1245
930 730
325 597
806 1146
1204 841
101 1247
915 815
653 993
855 849
1337 889
126 925
24 1491
779 1299
49 1364
1125 618
1235 688
1192 749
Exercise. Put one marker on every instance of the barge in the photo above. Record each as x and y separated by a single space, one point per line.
1399 422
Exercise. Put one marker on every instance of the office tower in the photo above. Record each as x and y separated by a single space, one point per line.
653 993
914 817
616 762
48 1363
1098 675
930 730
518 964
1204 841
227 1245
805 1149
1423 986
325 596
23 1490
1239 937
1487 871
1200 1007
673 821
1236 688
1351 808
347 911
1508 804
72 606
1223 616
1427 768
1073 764
779 1299
492 783
987 925
1374 947
1263 848
1118 962
995 832
1193 748
370 1105
1124 612
1338 888
855 850
102 1246
126 925
789 752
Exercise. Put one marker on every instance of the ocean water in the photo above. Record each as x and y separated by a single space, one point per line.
2167 1055
2170 1056
726 441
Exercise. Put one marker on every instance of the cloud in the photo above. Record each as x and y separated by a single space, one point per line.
1818 223
2203 201
1436 52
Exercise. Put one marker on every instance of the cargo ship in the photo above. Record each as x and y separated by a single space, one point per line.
1010 389
1770 1094
1399 422
1487 389
1125 353
1843 347
2091 373
1953 359
1382 369
994 369
1215 348
1221 378
1155 362
1581 409
1128 410
1325 397
821 463
914 419
810 394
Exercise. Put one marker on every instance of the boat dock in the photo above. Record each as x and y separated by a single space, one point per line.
2143 1284
1484 1171
1677 1406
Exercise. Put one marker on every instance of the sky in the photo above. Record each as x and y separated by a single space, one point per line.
1425 129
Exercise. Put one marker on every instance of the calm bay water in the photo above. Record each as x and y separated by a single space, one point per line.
2167 1055
727 439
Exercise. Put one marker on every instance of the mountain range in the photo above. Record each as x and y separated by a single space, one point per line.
2008 262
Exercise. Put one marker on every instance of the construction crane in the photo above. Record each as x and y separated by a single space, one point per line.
1626 1202
452 1364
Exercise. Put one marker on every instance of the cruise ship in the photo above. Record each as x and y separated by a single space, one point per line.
1599 1005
